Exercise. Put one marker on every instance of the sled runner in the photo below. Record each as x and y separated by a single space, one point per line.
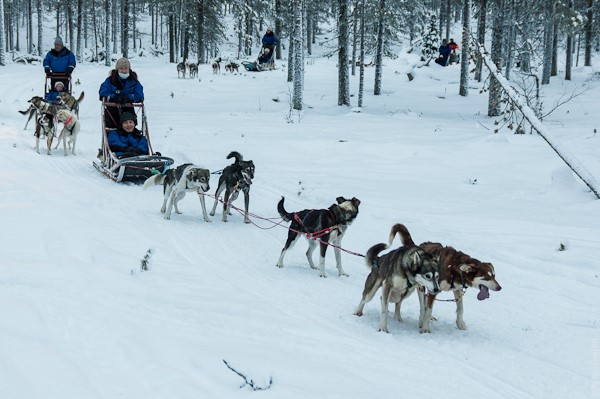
136 168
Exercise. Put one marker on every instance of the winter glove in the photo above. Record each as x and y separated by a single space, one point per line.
47 70
138 151
121 99
118 148
70 70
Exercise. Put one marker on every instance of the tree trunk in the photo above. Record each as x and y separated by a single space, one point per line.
511 42
554 70
171 35
29 27
343 72
200 24
354 38
107 60
297 61
481 37
361 84
569 60
278 25
40 19
525 50
125 29
2 30
466 43
495 96
79 51
548 42
588 33
379 48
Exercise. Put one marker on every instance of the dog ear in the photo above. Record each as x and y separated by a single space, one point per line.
355 201
416 257
340 200
466 268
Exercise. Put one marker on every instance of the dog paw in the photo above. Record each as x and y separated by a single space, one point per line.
344 274
212 214
168 217
424 330
323 275
279 266
384 330
207 220
461 324
358 313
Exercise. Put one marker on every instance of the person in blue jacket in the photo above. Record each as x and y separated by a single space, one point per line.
122 85
52 96
127 141
445 50
59 60
269 40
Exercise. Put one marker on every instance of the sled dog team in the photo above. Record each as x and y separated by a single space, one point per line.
46 114
428 268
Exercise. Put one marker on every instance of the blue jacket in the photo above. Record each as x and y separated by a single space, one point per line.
121 142
52 97
269 39
130 87
61 62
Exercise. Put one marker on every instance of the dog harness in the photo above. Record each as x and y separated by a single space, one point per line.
320 233
67 125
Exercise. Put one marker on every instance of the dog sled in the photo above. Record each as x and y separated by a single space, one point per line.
128 168
264 62
54 77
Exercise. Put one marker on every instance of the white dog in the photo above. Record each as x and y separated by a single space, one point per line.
70 129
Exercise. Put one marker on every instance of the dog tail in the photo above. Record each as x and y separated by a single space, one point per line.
154 180
283 213
371 258
80 99
238 157
401 229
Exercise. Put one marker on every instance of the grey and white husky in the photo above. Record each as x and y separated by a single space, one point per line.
176 182
326 225
398 272
235 178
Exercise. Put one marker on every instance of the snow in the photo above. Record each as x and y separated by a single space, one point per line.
81 320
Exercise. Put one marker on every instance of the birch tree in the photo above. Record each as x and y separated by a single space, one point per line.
495 93
297 61
2 30
107 58
379 49
481 22
343 71
466 42
361 61
29 27
588 33
38 9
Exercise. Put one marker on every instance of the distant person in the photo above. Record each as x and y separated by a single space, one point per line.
52 96
59 60
454 56
269 40
444 50
127 141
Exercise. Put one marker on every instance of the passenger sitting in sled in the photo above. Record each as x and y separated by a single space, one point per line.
127 141
265 56
53 95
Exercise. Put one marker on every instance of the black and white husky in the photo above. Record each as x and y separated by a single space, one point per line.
326 225
176 182
235 178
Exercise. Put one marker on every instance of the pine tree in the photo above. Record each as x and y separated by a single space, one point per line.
430 40
2 44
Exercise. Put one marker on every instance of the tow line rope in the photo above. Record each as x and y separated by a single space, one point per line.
312 236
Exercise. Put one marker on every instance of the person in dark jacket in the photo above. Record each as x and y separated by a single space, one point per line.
265 56
445 50
52 96
60 59
127 141
269 40
122 85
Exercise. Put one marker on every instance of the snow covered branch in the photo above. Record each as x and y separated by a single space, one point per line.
571 161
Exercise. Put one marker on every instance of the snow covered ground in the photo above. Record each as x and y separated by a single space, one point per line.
81 320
